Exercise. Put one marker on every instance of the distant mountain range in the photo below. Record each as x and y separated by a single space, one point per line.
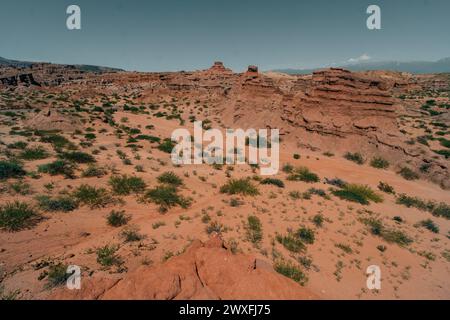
83 67
420 67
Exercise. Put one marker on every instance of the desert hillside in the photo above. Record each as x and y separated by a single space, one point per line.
86 179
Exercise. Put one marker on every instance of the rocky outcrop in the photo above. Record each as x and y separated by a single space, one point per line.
218 67
205 271
340 102
25 79
52 119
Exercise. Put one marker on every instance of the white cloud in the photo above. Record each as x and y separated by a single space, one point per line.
364 57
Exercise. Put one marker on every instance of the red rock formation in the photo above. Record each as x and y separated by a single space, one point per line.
205 271
340 102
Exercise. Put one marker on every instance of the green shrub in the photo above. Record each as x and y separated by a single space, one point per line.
148 138
291 271
239 186
77 157
61 203
396 236
57 275
288 168
383 186
34 153
358 193
107 257
21 188
295 195
94 171
166 197
318 220
276 182
408 174
444 142
215 227
318 192
125 185
15 216
235 202
415 202
117 218
445 153
56 140
344 247
376 226
170 178
58 167
291 243
131 234
90 136
166 146
355 157
92 196
254 229
390 235
306 235
430 225
303 174
379 162
11 169
441 210
18 145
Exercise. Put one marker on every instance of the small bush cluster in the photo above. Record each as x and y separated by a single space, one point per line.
390 235
61 203
34 153
306 235
379 162
408 174
357 193
117 218
11 169
355 157
77 157
303 174
92 196
254 229
166 196
291 242
291 271
430 225
273 181
385 187
437 209
239 186
107 257
170 178
15 216
94 171
125 185
58 167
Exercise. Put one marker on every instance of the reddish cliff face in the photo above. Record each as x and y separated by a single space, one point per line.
205 271
339 102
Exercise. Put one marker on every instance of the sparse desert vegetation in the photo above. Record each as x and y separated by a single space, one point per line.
87 179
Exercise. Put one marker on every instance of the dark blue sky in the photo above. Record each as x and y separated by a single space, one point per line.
164 35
